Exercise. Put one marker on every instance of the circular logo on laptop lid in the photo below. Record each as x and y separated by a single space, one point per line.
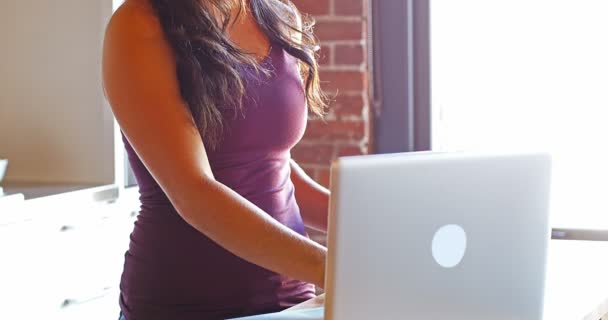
449 245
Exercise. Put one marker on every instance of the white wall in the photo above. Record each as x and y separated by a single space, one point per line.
54 122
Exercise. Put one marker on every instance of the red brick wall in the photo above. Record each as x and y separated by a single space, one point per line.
341 29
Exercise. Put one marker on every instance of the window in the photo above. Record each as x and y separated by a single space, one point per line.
116 4
528 74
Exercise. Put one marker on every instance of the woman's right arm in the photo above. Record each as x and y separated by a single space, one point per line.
142 88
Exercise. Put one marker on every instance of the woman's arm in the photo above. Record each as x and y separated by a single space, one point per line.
313 198
142 87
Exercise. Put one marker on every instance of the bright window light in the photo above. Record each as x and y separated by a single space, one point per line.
116 3
528 74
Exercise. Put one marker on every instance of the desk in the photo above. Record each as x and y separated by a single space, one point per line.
62 255
577 282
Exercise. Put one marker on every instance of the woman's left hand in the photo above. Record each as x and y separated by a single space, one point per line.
316 302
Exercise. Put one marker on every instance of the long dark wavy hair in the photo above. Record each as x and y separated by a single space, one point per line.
208 62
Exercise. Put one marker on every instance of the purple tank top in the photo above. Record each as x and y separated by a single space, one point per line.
171 270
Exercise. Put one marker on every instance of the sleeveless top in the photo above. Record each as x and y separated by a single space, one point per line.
171 270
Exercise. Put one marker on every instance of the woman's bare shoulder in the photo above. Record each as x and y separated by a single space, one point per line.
135 18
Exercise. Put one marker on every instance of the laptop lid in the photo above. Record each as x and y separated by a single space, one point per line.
438 236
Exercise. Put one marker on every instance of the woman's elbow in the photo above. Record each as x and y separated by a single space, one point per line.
188 194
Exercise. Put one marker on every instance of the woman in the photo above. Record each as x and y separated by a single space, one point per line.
211 95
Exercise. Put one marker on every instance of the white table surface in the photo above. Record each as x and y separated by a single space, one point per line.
577 280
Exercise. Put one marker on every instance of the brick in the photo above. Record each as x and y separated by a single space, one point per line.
346 54
324 55
340 81
323 177
349 150
347 105
350 7
338 130
312 153
339 30
310 171
313 7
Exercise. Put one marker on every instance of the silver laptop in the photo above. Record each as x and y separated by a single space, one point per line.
436 236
